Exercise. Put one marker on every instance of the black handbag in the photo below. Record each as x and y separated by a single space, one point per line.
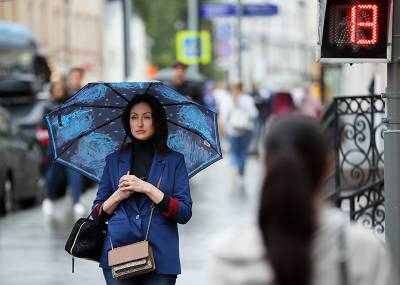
86 239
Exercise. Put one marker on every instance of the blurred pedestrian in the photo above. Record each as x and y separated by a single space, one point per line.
282 103
126 193
56 172
263 106
223 102
75 79
208 98
75 179
310 105
183 86
299 238
238 117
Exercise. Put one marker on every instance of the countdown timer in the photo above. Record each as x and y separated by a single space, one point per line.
356 29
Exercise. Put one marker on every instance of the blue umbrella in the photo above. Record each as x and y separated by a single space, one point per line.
88 127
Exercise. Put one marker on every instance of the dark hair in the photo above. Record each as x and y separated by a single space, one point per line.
179 64
159 120
296 157
77 69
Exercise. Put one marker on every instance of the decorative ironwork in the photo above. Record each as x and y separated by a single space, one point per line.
357 132
366 205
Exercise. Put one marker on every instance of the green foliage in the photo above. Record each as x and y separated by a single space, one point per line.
161 18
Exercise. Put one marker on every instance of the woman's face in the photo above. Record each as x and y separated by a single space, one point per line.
141 121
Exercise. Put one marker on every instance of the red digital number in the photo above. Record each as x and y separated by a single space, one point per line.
358 22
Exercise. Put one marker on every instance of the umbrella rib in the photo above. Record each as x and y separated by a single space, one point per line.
188 103
192 131
148 87
179 104
85 133
115 91
90 106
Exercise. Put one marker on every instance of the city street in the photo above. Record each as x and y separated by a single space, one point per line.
32 246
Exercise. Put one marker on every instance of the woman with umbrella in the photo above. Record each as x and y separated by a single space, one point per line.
127 192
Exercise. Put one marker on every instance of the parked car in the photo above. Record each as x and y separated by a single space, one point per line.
29 118
19 167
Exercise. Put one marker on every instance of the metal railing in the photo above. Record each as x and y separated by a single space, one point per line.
356 128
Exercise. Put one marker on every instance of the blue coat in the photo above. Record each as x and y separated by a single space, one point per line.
129 222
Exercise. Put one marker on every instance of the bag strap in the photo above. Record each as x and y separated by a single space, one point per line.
151 215
344 276
152 209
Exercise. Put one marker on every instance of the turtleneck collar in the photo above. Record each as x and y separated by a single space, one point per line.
143 146
142 157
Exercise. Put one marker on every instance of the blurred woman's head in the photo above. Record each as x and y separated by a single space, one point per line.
58 91
237 88
144 118
296 160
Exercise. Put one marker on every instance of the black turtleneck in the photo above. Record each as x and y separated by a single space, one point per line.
142 157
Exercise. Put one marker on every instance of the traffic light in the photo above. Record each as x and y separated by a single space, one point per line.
354 31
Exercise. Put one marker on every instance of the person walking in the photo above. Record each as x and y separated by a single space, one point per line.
183 86
238 118
75 179
55 171
299 238
127 190
75 78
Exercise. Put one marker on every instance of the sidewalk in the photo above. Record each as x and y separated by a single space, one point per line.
32 246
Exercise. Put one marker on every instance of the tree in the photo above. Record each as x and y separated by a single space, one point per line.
162 19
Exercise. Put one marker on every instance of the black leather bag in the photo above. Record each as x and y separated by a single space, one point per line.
86 240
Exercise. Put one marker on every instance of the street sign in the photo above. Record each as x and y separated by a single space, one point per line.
259 10
193 47
214 10
355 31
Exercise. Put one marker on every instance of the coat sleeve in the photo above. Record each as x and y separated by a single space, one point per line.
104 191
180 203
369 259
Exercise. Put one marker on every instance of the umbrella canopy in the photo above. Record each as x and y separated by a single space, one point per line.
88 127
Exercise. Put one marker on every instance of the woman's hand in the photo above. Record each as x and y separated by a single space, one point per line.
131 183
122 194
116 198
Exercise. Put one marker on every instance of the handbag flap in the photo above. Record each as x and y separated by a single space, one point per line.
128 253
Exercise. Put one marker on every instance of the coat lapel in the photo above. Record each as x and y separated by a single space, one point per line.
124 162
123 168
157 168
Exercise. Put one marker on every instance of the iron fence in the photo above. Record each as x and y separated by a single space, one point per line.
356 126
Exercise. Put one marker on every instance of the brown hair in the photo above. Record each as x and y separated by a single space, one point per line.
64 87
77 69
296 148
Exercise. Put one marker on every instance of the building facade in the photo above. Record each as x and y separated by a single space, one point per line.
277 50
68 32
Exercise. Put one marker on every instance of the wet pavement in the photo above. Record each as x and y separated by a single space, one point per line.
32 246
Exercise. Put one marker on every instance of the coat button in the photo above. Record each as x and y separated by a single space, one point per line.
137 217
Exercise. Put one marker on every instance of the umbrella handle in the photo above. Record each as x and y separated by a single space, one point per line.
59 120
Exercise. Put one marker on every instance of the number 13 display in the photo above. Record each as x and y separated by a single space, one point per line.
355 31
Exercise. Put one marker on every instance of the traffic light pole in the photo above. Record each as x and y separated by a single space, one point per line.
392 144
193 25
127 10
239 39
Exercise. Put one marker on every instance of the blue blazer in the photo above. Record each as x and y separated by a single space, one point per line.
129 222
